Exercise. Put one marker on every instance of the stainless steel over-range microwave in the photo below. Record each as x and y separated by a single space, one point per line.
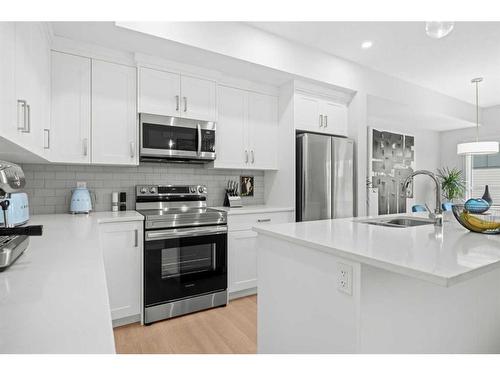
166 138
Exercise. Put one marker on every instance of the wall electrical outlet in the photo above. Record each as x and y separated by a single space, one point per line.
81 184
344 278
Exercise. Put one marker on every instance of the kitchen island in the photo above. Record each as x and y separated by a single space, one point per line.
345 286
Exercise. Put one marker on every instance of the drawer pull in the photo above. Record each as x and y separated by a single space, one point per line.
263 220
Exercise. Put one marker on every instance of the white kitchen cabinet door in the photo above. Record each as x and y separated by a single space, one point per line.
198 99
32 78
334 118
242 260
8 101
70 117
307 113
159 92
230 134
114 114
121 245
263 131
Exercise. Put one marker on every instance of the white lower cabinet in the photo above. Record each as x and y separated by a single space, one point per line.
242 256
242 248
121 245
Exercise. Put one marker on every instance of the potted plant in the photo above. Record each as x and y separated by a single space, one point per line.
452 183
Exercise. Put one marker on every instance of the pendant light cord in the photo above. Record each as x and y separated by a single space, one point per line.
477 111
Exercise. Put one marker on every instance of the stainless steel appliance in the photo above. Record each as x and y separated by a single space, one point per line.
165 138
324 177
14 238
185 251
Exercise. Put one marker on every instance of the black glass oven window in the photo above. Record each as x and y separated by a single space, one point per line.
169 137
177 261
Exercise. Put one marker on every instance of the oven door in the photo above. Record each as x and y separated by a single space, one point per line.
176 138
184 262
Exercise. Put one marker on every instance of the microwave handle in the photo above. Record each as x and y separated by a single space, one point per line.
198 128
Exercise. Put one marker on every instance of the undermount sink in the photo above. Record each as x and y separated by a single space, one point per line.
399 222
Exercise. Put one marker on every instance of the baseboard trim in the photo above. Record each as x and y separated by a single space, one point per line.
242 293
126 320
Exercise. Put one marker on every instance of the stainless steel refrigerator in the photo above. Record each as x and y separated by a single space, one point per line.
324 177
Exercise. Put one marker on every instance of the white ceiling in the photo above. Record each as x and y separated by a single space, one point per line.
403 50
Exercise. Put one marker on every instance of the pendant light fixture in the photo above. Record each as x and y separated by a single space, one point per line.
477 148
438 29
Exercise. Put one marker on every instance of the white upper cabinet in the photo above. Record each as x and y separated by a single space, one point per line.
173 94
198 99
159 92
263 131
247 130
334 118
231 127
71 97
307 113
8 126
25 83
114 114
320 115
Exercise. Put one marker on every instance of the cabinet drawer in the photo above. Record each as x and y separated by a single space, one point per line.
247 221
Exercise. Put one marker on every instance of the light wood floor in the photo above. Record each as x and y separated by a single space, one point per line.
230 329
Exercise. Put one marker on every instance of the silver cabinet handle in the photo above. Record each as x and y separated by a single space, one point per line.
177 103
132 149
320 121
253 156
246 156
25 115
28 117
263 220
198 128
136 236
185 103
85 146
326 121
46 145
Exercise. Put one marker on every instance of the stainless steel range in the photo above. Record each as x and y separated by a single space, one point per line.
185 251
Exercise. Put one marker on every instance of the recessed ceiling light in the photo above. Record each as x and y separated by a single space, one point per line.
366 44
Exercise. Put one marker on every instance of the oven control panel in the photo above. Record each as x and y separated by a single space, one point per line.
170 190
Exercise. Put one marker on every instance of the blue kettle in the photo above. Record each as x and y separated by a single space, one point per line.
81 201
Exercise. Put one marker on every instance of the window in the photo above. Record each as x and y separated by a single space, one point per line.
486 171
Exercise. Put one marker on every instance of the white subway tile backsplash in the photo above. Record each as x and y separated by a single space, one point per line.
49 186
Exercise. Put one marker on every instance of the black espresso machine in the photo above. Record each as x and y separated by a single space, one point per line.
14 235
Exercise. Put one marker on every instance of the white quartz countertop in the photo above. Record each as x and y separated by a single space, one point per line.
54 298
254 209
443 256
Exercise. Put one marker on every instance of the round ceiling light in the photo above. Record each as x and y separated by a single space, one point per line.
438 30
367 44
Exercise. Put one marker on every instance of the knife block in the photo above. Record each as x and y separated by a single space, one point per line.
232 201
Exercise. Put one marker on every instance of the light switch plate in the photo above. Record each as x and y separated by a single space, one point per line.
344 278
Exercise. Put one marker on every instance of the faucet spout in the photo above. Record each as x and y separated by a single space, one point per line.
437 216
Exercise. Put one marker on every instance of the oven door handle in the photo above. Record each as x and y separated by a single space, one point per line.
198 127
184 232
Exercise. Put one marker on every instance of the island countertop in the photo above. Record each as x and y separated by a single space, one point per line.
54 298
441 255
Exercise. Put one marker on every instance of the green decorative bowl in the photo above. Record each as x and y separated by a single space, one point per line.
486 223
